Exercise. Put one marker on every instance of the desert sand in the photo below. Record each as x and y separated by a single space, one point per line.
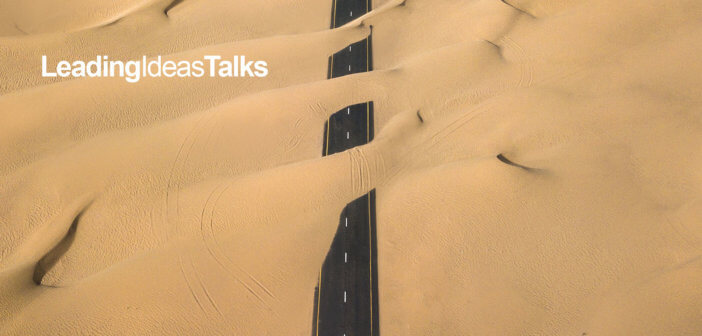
204 207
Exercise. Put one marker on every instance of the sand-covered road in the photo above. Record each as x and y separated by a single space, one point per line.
203 205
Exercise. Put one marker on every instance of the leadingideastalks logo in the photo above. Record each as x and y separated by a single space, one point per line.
134 70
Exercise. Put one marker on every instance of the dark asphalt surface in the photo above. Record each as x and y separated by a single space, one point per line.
346 297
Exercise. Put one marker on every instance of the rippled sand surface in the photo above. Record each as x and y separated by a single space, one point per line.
203 206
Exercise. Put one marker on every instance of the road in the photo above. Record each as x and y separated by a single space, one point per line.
346 296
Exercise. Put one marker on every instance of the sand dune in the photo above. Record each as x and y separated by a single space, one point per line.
552 186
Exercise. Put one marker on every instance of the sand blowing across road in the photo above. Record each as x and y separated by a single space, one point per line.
553 186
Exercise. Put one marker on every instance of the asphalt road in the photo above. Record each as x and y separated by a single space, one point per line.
346 296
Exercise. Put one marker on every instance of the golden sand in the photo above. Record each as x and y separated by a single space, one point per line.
203 206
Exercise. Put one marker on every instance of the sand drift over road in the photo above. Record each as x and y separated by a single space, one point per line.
549 184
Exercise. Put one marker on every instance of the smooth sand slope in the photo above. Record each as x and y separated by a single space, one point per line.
203 206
